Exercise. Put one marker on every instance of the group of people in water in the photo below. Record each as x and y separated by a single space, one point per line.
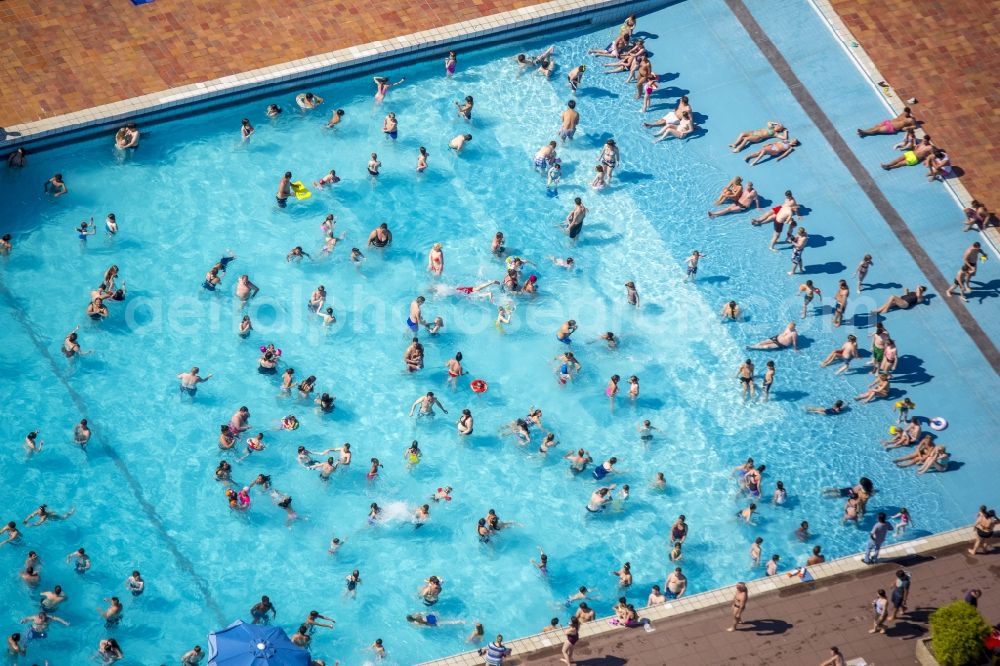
627 55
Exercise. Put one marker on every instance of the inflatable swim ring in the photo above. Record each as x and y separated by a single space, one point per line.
277 352
938 423
300 191
300 99
893 430
478 386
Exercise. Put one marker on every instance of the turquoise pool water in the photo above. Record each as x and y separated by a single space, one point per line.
144 491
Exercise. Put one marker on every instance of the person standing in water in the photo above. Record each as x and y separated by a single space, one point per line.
455 369
574 220
190 381
427 403
692 265
570 119
284 190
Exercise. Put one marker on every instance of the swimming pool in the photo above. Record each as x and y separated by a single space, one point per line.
144 492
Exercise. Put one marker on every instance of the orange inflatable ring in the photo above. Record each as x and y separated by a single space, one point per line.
478 386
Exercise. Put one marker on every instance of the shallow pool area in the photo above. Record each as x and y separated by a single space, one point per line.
144 492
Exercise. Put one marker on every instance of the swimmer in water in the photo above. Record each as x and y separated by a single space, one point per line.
459 142
415 318
465 109
600 498
421 160
565 331
646 429
435 260
81 433
579 460
380 237
563 263
56 186
548 443
484 287
660 482
631 294
503 317
465 423
382 87
731 312
518 428
111 224
330 178
71 347
455 369
246 129
374 165
86 229
190 381
335 118
390 127
245 289
692 265
308 101
42 514
413 357
426 403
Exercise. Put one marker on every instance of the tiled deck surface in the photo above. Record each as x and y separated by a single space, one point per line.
947 55
796 626
59 57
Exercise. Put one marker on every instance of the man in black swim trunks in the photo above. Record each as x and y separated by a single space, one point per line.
574 221
284 189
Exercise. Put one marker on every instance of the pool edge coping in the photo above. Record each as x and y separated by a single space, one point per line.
527 646
410 44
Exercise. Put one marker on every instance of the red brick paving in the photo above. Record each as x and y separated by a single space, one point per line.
946 53
797 626
58 57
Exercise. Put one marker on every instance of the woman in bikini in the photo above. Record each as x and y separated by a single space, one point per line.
773 129
779 150
435 260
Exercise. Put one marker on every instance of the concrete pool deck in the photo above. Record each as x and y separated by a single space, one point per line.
788 622
59 59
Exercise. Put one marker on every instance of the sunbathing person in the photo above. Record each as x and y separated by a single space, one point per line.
901 123
773 129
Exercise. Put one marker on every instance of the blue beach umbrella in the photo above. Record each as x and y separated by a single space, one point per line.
242 644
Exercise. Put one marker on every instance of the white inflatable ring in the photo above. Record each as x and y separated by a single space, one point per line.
938 423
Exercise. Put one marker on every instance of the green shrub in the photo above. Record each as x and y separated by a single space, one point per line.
957 632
